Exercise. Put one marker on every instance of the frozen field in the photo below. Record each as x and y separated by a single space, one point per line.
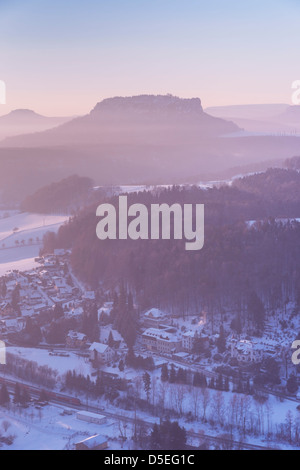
60 364
21 236
49 429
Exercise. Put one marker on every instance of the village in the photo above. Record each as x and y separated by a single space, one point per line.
182 351
189 341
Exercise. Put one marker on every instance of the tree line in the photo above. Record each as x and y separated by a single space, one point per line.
241 264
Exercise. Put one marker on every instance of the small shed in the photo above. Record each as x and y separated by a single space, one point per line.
91 417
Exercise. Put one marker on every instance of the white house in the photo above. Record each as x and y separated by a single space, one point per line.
76 340
89 295
106 308
155 317
161 341
189 338
246 351
101 353
107 332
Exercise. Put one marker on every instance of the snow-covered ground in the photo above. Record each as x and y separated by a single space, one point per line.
61 364
52 428
49 428
21 236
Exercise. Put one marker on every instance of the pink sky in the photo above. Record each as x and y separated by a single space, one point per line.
59 61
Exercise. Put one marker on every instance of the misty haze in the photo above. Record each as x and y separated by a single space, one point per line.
149 228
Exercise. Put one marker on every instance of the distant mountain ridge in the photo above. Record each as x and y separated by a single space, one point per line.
144 139
134 119
261 118
24 121
248 111
291 115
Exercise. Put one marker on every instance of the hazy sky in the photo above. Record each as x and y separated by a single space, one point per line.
61 57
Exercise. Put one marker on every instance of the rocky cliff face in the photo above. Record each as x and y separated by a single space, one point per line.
145 104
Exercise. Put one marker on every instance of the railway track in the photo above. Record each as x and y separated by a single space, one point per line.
76 404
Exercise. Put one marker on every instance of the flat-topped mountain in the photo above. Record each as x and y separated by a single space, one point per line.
147 106
137 140
138 119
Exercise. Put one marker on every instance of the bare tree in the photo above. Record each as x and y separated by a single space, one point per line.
122 430
269 411
195 394
297 429
205 399
260 418
154 383
244 405
6 425
233 411
163 390
178 393
218 408
138 386
289 425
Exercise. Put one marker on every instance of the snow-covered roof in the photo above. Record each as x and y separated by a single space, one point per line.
154 313
89 295
160 334
59 251
105 310
93 441
27 312
4 305
263 344
99 347
39 306
76 335
105 332
190 334
35 295
181 355
76 311
13 322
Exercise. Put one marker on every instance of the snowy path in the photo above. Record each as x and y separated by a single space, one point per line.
21 236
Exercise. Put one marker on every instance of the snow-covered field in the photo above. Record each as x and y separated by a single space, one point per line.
21 236
61 364
49 429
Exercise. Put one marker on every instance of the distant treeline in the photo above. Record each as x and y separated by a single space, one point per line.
293 163
238 258
62 197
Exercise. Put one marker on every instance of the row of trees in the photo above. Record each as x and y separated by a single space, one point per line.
248 414
124 316
31 371
21 395
139 362
104 384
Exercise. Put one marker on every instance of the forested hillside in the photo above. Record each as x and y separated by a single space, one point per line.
238 257
62 197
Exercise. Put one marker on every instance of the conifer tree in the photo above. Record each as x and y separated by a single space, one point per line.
4 395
